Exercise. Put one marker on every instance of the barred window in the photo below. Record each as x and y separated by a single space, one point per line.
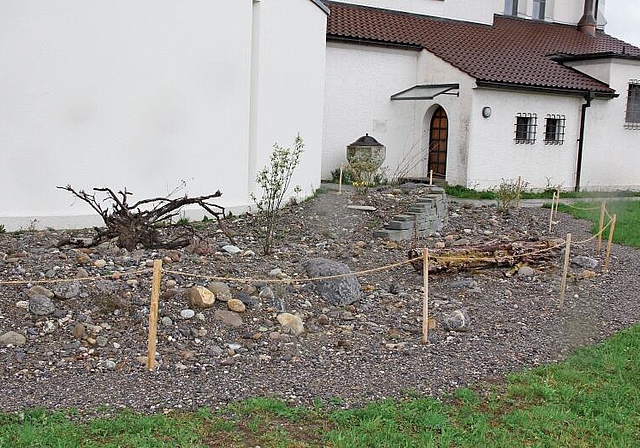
538 9
632 117
554 129
526 125
511 7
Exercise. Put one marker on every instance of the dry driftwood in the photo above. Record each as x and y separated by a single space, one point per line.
139 223
486 255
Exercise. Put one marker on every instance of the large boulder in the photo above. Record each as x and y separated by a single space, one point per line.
337 291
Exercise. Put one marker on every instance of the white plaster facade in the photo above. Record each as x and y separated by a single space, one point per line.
481 151
147 94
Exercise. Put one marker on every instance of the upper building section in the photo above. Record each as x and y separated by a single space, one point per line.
512 52
482 11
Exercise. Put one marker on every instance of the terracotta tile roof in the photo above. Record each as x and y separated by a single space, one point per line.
511 51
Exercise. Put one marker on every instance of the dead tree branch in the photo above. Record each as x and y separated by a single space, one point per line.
140 223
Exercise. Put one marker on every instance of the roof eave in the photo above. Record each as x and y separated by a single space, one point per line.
378 43
546 89
322 6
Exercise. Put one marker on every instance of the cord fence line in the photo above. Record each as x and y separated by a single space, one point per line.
434 256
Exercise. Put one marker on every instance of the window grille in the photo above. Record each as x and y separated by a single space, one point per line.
511 7
526 126
538 9
554 129
632 115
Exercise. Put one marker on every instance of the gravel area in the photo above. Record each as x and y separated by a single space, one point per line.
85 346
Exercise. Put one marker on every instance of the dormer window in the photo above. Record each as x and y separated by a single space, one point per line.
538 9
511 7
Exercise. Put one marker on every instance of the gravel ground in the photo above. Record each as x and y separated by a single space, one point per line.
87 352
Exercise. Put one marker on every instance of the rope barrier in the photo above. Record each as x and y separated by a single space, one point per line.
579 208
117 275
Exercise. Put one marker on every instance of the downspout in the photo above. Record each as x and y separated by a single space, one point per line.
583 117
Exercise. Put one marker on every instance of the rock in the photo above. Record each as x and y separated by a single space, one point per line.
79 331
12 338
459 320
291 322
337 291
166 321
41 305
221 290
323 319
460 242
82 258
276 272
171 284
23 304
267 293
248 253
109 364
588 274
67 290
228 318
364 208
49 327
231 249
102 341
187 314
585 262
463 283
39 291
236 305
201 297
526 271
100 263
249 301
439 245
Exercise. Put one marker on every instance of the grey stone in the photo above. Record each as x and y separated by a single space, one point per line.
12 338
458 320
221 290
166 321
228 318
585 262
68 290
337 291
526 271
187 314
267 293
231 249
41 305
364 208
463 283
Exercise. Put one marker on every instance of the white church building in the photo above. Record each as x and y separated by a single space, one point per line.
146 95
477 92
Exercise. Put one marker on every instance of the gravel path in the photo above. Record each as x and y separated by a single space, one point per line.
88 353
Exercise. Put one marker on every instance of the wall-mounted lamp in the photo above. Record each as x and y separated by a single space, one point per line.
486 111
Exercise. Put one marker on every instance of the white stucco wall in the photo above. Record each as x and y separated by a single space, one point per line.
290 92
145 95
494 155
359 83
612 152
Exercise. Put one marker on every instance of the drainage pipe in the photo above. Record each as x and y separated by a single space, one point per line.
583 117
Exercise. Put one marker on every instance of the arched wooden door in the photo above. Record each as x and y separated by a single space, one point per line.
438 132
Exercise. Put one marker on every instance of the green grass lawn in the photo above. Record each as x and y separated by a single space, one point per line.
627 230
591 400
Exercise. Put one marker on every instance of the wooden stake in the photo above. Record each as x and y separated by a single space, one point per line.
555 213
601 226
563 283
614 218
425 303
518 188
340 181
431 177
153 313
553 201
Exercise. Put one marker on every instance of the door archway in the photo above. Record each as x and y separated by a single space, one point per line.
438 136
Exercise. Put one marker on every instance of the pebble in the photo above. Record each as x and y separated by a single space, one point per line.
236 305
187 314
109 364
12 338
231 249
41 305
166 321
100 263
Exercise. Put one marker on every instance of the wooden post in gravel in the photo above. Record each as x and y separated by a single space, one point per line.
603 206
425 303
565 269
553 201
612 227
340 180
555 213
153 313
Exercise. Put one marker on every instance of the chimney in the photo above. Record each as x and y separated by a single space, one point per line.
587 23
